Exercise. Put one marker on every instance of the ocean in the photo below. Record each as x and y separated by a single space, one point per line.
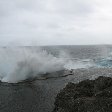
31 77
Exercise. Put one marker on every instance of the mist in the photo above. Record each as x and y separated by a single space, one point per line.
18 64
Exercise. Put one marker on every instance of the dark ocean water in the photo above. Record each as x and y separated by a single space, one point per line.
39 95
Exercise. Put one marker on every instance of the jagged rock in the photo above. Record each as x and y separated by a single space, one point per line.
86 96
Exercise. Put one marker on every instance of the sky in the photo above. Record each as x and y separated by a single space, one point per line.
55 22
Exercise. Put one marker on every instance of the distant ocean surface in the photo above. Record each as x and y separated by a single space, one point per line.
49 62
99 55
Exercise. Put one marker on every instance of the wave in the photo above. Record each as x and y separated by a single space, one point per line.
21 63
18 64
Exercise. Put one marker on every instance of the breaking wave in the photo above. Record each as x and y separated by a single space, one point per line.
18 64
21 63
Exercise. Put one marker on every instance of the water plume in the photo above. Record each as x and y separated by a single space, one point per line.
21 63
18 64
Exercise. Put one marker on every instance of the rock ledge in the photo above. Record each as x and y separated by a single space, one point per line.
86 96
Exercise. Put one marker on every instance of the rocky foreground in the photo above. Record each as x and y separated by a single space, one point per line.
86 96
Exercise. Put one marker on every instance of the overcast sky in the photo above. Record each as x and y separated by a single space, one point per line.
55 22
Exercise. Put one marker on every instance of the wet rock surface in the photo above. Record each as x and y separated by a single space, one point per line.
86 96
38 95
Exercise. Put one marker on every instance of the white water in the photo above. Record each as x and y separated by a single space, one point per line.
20 63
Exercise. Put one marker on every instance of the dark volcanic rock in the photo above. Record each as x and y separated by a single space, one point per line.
86 96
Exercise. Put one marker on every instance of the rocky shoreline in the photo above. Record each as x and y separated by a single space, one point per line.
86 96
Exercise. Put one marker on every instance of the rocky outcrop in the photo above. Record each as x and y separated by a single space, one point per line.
86 96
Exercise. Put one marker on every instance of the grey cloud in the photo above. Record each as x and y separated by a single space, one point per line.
48 22
79 7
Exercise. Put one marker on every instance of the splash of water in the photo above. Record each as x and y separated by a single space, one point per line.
18 64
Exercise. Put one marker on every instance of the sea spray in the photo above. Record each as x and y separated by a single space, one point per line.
21 63
18 64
